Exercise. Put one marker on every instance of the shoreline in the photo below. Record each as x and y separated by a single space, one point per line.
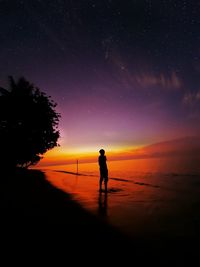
35 212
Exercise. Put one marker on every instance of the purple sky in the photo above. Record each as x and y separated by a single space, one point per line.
124 73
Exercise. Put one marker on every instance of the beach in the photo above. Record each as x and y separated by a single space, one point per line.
146 198
57 212
41 222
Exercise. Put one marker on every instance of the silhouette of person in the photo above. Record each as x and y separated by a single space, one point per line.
103 170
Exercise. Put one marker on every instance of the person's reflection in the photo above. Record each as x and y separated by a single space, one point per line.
103 205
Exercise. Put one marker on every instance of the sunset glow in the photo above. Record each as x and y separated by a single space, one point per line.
124 76
86 154
100 132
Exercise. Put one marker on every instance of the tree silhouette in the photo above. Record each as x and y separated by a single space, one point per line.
28 124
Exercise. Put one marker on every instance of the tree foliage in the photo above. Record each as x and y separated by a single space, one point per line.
28 123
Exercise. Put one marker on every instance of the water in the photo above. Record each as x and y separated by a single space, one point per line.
147 197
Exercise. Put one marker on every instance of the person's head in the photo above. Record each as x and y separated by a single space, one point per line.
102 152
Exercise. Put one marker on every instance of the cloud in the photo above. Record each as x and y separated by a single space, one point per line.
191 102
181 147
151 80
191 99
145 78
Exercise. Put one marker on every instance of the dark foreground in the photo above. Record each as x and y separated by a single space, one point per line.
41 224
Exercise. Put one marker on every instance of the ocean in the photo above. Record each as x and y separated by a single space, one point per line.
146 197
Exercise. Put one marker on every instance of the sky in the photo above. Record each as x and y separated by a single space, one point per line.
124 73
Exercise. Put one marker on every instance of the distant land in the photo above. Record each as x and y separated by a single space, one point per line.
180 147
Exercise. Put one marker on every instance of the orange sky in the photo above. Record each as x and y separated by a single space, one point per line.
61 156
177 147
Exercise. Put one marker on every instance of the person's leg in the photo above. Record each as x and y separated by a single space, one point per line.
105 183
100 183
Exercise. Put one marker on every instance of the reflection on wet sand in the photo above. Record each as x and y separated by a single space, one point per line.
160 194
103 204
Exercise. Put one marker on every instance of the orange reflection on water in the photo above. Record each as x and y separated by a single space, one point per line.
141 193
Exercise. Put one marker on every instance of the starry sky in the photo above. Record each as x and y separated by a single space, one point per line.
124 73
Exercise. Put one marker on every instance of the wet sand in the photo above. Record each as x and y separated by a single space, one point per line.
153 206
41 222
